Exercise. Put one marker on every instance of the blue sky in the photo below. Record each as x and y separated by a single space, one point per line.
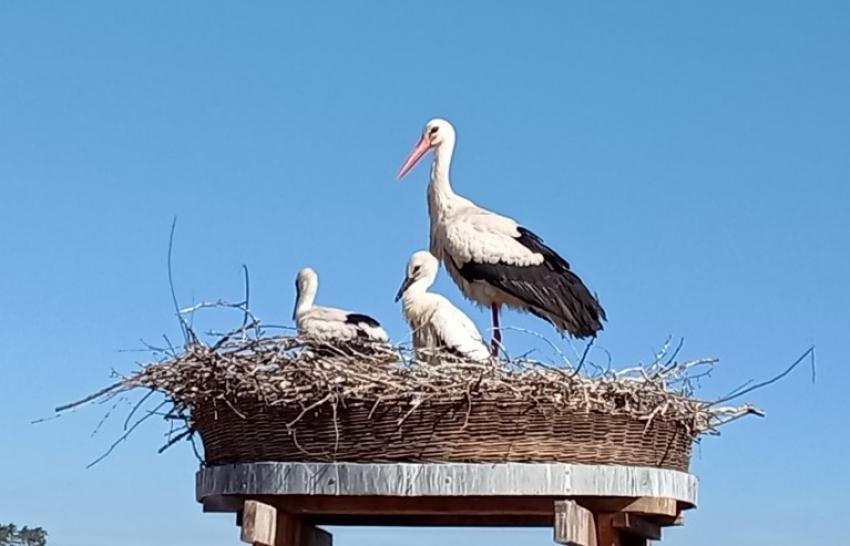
691 160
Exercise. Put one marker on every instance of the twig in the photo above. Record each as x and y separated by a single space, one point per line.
122 438
99 394
136 407
175 439
183 326
810 352
584 355
247 299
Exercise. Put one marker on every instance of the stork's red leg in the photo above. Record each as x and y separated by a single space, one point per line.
496 341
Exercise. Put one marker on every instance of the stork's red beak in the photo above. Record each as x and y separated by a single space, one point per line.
418 151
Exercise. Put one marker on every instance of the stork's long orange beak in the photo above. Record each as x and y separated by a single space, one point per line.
418 151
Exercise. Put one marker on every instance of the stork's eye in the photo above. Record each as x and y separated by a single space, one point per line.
433 130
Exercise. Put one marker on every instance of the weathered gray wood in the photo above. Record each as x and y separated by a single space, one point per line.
452 479
574 525
259 523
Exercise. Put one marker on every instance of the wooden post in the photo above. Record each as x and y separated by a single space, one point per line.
624 529
291 531
637 526
313 536
259 523
606 533
574 525
629 505
288 530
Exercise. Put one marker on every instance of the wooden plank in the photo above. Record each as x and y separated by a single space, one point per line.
574 525
501 511
656 506
558 480
308 505
435 520
651 506
259 523
636 526
489 505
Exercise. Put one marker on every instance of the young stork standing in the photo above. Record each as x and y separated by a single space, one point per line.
494 260
436 323
329 323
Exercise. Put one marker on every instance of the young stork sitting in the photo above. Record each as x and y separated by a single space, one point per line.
329 323
437 324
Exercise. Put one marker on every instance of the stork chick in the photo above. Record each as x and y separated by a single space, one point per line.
437 324
329 323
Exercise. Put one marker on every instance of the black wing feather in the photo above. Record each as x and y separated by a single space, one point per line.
357 318
550 290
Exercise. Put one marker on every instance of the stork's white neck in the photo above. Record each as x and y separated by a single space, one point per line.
416 290
440 193
306 297
420 286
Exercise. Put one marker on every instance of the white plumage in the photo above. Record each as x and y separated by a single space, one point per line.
494 260
437 324
330 323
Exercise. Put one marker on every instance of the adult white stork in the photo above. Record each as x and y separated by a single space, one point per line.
437 324
330 323
494 260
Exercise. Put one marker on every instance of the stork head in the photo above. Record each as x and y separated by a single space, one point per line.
306 285
423 266
436 134
307 277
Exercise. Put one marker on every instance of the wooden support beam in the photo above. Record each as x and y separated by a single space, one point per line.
636 526
259 523
366 505
435 520
288 530
456 511
313 536
655 506
574 525
292 531
606 533
648 506
320 505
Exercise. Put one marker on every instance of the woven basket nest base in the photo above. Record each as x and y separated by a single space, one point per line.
464 430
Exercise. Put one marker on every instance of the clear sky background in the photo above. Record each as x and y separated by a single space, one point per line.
691 160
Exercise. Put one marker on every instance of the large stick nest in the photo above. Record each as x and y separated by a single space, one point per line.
246 367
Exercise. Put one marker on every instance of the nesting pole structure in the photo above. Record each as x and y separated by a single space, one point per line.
297 435
284 503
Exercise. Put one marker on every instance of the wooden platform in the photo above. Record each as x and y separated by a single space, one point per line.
584 503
